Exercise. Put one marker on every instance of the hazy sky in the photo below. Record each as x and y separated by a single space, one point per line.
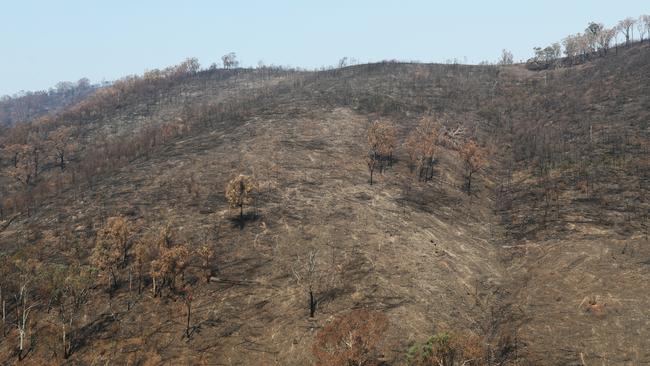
43 42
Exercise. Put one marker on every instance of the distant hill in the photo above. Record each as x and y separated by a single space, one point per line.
26 106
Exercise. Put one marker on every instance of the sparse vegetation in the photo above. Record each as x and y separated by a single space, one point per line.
118 185
447 349
356 338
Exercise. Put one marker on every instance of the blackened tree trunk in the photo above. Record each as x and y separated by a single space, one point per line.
312 304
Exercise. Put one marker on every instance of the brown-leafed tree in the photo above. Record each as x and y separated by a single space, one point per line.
145 251
117 232
206 256
421 148
382 140
240 192
473 160
172 263
62 145
22 164
105 257
356 338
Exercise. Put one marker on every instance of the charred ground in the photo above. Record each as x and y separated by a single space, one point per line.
546 261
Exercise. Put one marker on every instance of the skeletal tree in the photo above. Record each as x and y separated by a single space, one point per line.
605 37
230 60
626 27
75 293
371 162
240 191
506 58
343 62
584 46
643 26
308 276
23 301
571 46
187 296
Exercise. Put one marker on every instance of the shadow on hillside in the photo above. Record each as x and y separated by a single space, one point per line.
85 333
240 221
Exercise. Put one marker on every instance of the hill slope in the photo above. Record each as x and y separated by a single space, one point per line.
546 260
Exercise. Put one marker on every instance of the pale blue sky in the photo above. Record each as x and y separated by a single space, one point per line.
43 42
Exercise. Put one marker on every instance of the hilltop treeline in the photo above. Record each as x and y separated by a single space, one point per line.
596 40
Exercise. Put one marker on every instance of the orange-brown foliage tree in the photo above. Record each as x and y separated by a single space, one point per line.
206 255
356 338
240 192
382 140
62 145
473 159
421 148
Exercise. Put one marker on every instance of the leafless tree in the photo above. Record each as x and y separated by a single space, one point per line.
74 294
626 27
310 277
506 58
230 60
24 302
572 46
605 37
371 162
643 26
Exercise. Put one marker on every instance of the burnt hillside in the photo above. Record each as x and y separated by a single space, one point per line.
544 260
